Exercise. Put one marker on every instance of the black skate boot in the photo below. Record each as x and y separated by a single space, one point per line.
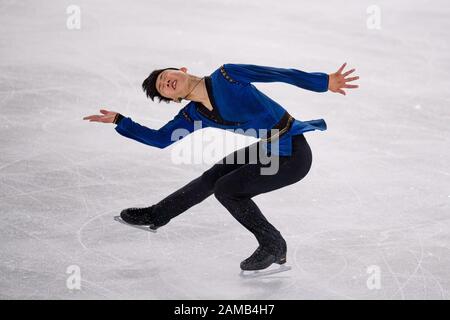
263 258
142 217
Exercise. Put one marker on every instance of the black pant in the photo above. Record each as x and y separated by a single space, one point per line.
234 184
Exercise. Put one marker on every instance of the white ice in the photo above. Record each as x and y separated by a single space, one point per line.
378 193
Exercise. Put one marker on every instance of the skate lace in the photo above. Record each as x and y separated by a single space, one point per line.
140 210
256 254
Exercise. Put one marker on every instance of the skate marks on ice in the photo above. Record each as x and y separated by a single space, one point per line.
410 266
144 227
271 270
98 222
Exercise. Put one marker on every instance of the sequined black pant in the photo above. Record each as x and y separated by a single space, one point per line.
235 180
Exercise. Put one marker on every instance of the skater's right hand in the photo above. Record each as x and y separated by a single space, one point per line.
106 116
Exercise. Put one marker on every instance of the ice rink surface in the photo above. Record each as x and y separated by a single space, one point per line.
375 203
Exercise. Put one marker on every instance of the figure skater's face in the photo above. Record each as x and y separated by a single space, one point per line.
173 84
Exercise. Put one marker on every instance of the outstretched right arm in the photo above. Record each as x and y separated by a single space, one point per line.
176 129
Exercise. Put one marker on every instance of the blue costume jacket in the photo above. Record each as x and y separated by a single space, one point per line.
237 104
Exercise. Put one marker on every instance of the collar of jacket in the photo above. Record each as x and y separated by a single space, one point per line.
213 115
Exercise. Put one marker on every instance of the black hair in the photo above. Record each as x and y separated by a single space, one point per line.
149 85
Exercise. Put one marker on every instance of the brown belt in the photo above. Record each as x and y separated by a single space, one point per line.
283 126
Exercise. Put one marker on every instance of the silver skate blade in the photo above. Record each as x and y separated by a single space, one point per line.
142 227
265 272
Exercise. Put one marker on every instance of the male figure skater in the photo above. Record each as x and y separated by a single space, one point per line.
227 99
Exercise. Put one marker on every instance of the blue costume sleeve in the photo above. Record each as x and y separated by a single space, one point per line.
176 129
246 73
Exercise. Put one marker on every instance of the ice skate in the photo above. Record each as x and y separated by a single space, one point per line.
266 272
140 218
142 227
260 262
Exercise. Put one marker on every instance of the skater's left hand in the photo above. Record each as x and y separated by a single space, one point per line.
338 81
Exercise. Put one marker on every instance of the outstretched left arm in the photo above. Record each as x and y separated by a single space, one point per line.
313 81
247 73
